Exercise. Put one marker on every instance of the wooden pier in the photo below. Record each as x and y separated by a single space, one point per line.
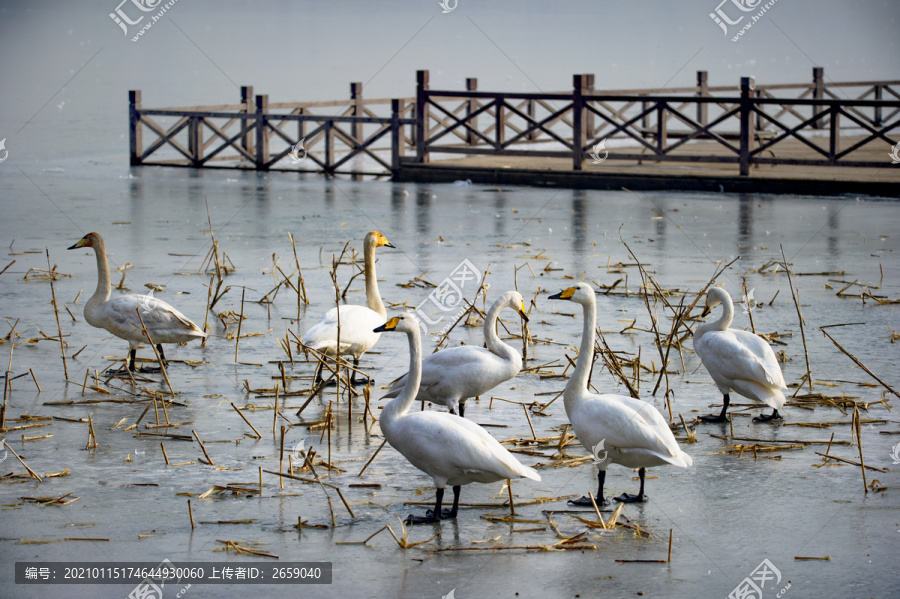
820 138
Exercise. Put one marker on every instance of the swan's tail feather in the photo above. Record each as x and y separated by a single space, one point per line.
528 472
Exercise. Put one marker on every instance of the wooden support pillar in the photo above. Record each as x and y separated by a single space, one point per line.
471 106
195 140
396 137
577 122
421 116
818 94
702 92
356 100
746 107
136 138
247 108
588 122
262 138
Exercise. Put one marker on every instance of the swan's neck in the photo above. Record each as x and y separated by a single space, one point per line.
101 294
577 384
400 405
492 340
373 297
718 325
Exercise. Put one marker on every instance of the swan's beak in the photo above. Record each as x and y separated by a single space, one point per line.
706 311
388 326
388 244
83 242
564 294
521 312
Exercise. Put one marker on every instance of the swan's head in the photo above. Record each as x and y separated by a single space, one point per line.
514 300
714 297
580 293
375 239
91 240
400 324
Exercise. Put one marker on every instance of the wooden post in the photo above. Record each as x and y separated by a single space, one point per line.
662 131
834 140
356 99
532 135
702 92
195 140
577 125
471 106
247 102
329 148
588 135
645 120
421 115
136 145
747 86
396 138
262 139
876 116
499 124
818 94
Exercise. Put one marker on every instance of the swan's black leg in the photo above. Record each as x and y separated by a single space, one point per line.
721 417
369 380
162 354
131 357
640 497
431 515
598 498
462 409
773 416
451 513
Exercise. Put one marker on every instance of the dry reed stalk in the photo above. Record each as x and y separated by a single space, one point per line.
165 455
669 558
749 307
159 359
858 363
237 339
21 461
858 430
62 344
203 447
281 455
92 438
512 508
789 272
597 511
191 514
301 285
250 424
524 407
372 458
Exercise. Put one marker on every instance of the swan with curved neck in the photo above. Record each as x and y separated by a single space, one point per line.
621 429
119 315
356 322
453 375
738 360
449 448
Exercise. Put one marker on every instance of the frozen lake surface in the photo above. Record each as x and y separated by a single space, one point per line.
728 512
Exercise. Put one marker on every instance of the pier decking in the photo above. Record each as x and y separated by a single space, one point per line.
813 138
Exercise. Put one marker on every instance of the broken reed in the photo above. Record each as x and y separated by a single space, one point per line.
794 295
62 344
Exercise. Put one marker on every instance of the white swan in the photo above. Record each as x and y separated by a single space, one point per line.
453 375
449 448
119 315
631 432
738 360
357 322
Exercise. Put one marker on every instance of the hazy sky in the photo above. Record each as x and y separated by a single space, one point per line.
67 65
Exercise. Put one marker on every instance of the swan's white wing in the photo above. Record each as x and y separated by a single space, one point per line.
623 423
735 354
459 372
165 324
357 323
453 450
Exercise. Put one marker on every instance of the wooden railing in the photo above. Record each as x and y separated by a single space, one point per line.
747 125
